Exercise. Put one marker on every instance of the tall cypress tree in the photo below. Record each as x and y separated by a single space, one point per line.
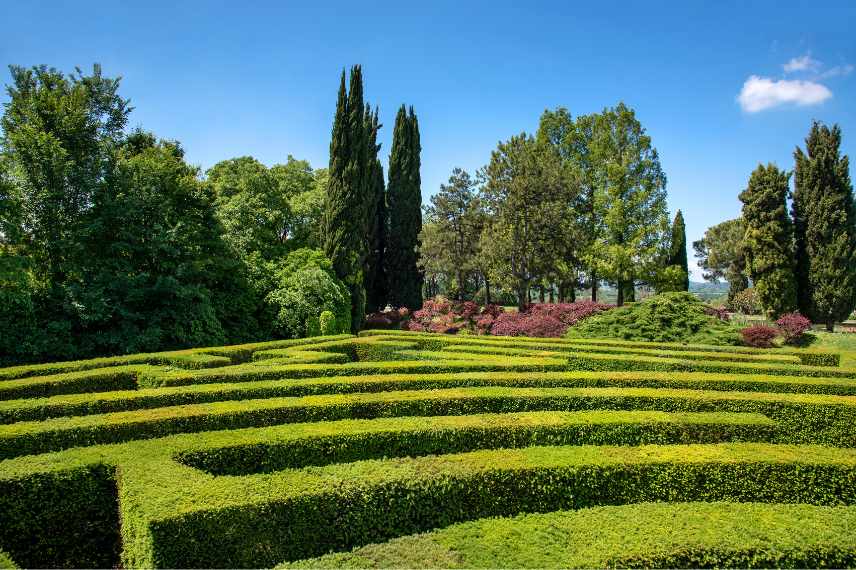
824 219
768 241
345 209
376 217
404 199
678 249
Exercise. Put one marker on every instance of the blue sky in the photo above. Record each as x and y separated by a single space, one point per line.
720 86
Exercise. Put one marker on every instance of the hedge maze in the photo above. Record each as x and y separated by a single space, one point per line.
402 449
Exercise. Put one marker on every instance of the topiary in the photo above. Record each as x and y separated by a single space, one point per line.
668 317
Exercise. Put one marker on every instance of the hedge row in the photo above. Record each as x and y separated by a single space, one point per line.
803 418
682 535
302 445
127 400
615 362
209 357
221 521
686 355
85 381
806 356
61 519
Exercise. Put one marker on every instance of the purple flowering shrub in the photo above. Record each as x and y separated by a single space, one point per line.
759 336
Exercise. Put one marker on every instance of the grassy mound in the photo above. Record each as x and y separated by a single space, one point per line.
667 317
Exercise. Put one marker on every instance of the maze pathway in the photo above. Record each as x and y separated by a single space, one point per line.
283 452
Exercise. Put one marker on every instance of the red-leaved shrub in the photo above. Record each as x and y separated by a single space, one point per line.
720 313
793 327
759 336
545 319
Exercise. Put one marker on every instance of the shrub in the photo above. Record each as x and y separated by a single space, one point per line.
304 292
327 321
746 302
759 336
667 317
720 313
537 324
793 326
440 315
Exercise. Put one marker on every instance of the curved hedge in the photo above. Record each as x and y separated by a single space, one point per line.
253 455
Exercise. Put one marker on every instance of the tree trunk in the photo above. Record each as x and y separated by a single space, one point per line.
460 285
629 292
541 293
572 297
830 324
593 286
486 291
522 295
551 297
619 301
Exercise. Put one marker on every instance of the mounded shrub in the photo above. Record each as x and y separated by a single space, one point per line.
793 327
667 317
759 336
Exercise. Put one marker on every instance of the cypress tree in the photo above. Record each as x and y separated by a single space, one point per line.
678 249
404 199
345 209
824 219
376 229
768 241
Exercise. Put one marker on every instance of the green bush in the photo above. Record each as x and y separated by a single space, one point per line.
327 321
682 535
667 317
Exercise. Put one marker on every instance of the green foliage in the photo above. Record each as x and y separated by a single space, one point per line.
327 323
691 535
721 254
404 201
668 317
825 228
306 287
769 240
678 256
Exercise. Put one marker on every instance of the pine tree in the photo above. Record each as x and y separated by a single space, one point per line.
404 199
678 250
345 209
768 241
825 234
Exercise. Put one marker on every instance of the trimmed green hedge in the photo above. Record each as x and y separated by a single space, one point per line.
311 512
803 418
682 535
84 381
302 445
127 400
592 361
61 519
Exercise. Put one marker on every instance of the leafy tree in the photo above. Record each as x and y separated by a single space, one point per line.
584 223
404 200
251 206
676 261
721 255
454 234
824 227
524 192
59 131
632 197
306 289
768 241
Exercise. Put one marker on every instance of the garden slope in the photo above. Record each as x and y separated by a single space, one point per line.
256 455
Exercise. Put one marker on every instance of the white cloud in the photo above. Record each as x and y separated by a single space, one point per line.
760 93
838 70
802 63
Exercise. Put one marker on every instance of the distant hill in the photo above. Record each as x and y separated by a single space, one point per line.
707 291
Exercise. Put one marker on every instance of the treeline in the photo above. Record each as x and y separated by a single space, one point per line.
802 259
580 203
110 242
